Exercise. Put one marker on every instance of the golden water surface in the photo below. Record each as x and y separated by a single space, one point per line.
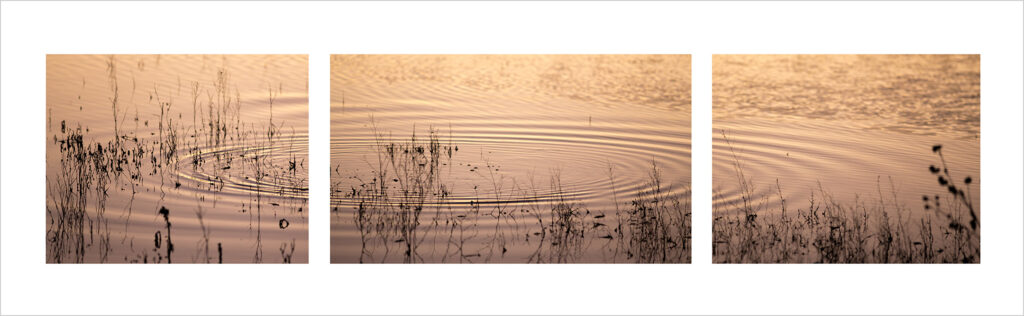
176 158
510 158
852 131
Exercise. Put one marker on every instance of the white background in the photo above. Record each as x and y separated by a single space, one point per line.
32 30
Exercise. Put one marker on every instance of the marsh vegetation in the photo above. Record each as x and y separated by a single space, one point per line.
144 155
510 159
875 228
846 159
406 212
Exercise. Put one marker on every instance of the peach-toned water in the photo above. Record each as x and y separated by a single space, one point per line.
521 124
195 135
861 127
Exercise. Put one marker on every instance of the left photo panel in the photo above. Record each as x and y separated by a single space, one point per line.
177 158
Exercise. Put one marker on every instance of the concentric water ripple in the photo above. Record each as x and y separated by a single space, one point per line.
581 158
160 175
531 132
848 162
232 168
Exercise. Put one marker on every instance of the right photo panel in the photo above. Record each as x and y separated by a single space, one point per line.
846 159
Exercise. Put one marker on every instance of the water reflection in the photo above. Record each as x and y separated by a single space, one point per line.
542 159
170 159
846 158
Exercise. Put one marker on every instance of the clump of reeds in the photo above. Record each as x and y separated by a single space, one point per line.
404 182
829 231
78 190
565 231
962 221
387 211
69 193
658 223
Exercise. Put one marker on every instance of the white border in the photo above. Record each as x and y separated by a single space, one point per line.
31 30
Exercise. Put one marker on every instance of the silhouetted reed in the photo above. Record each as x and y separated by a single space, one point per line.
881 230
167 220
404 181
562 239
217 146
203 245
659 224
407 202
68 195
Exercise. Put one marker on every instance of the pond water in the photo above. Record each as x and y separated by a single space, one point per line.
532 158
858 128
177 158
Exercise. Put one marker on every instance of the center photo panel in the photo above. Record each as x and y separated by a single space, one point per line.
510 159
